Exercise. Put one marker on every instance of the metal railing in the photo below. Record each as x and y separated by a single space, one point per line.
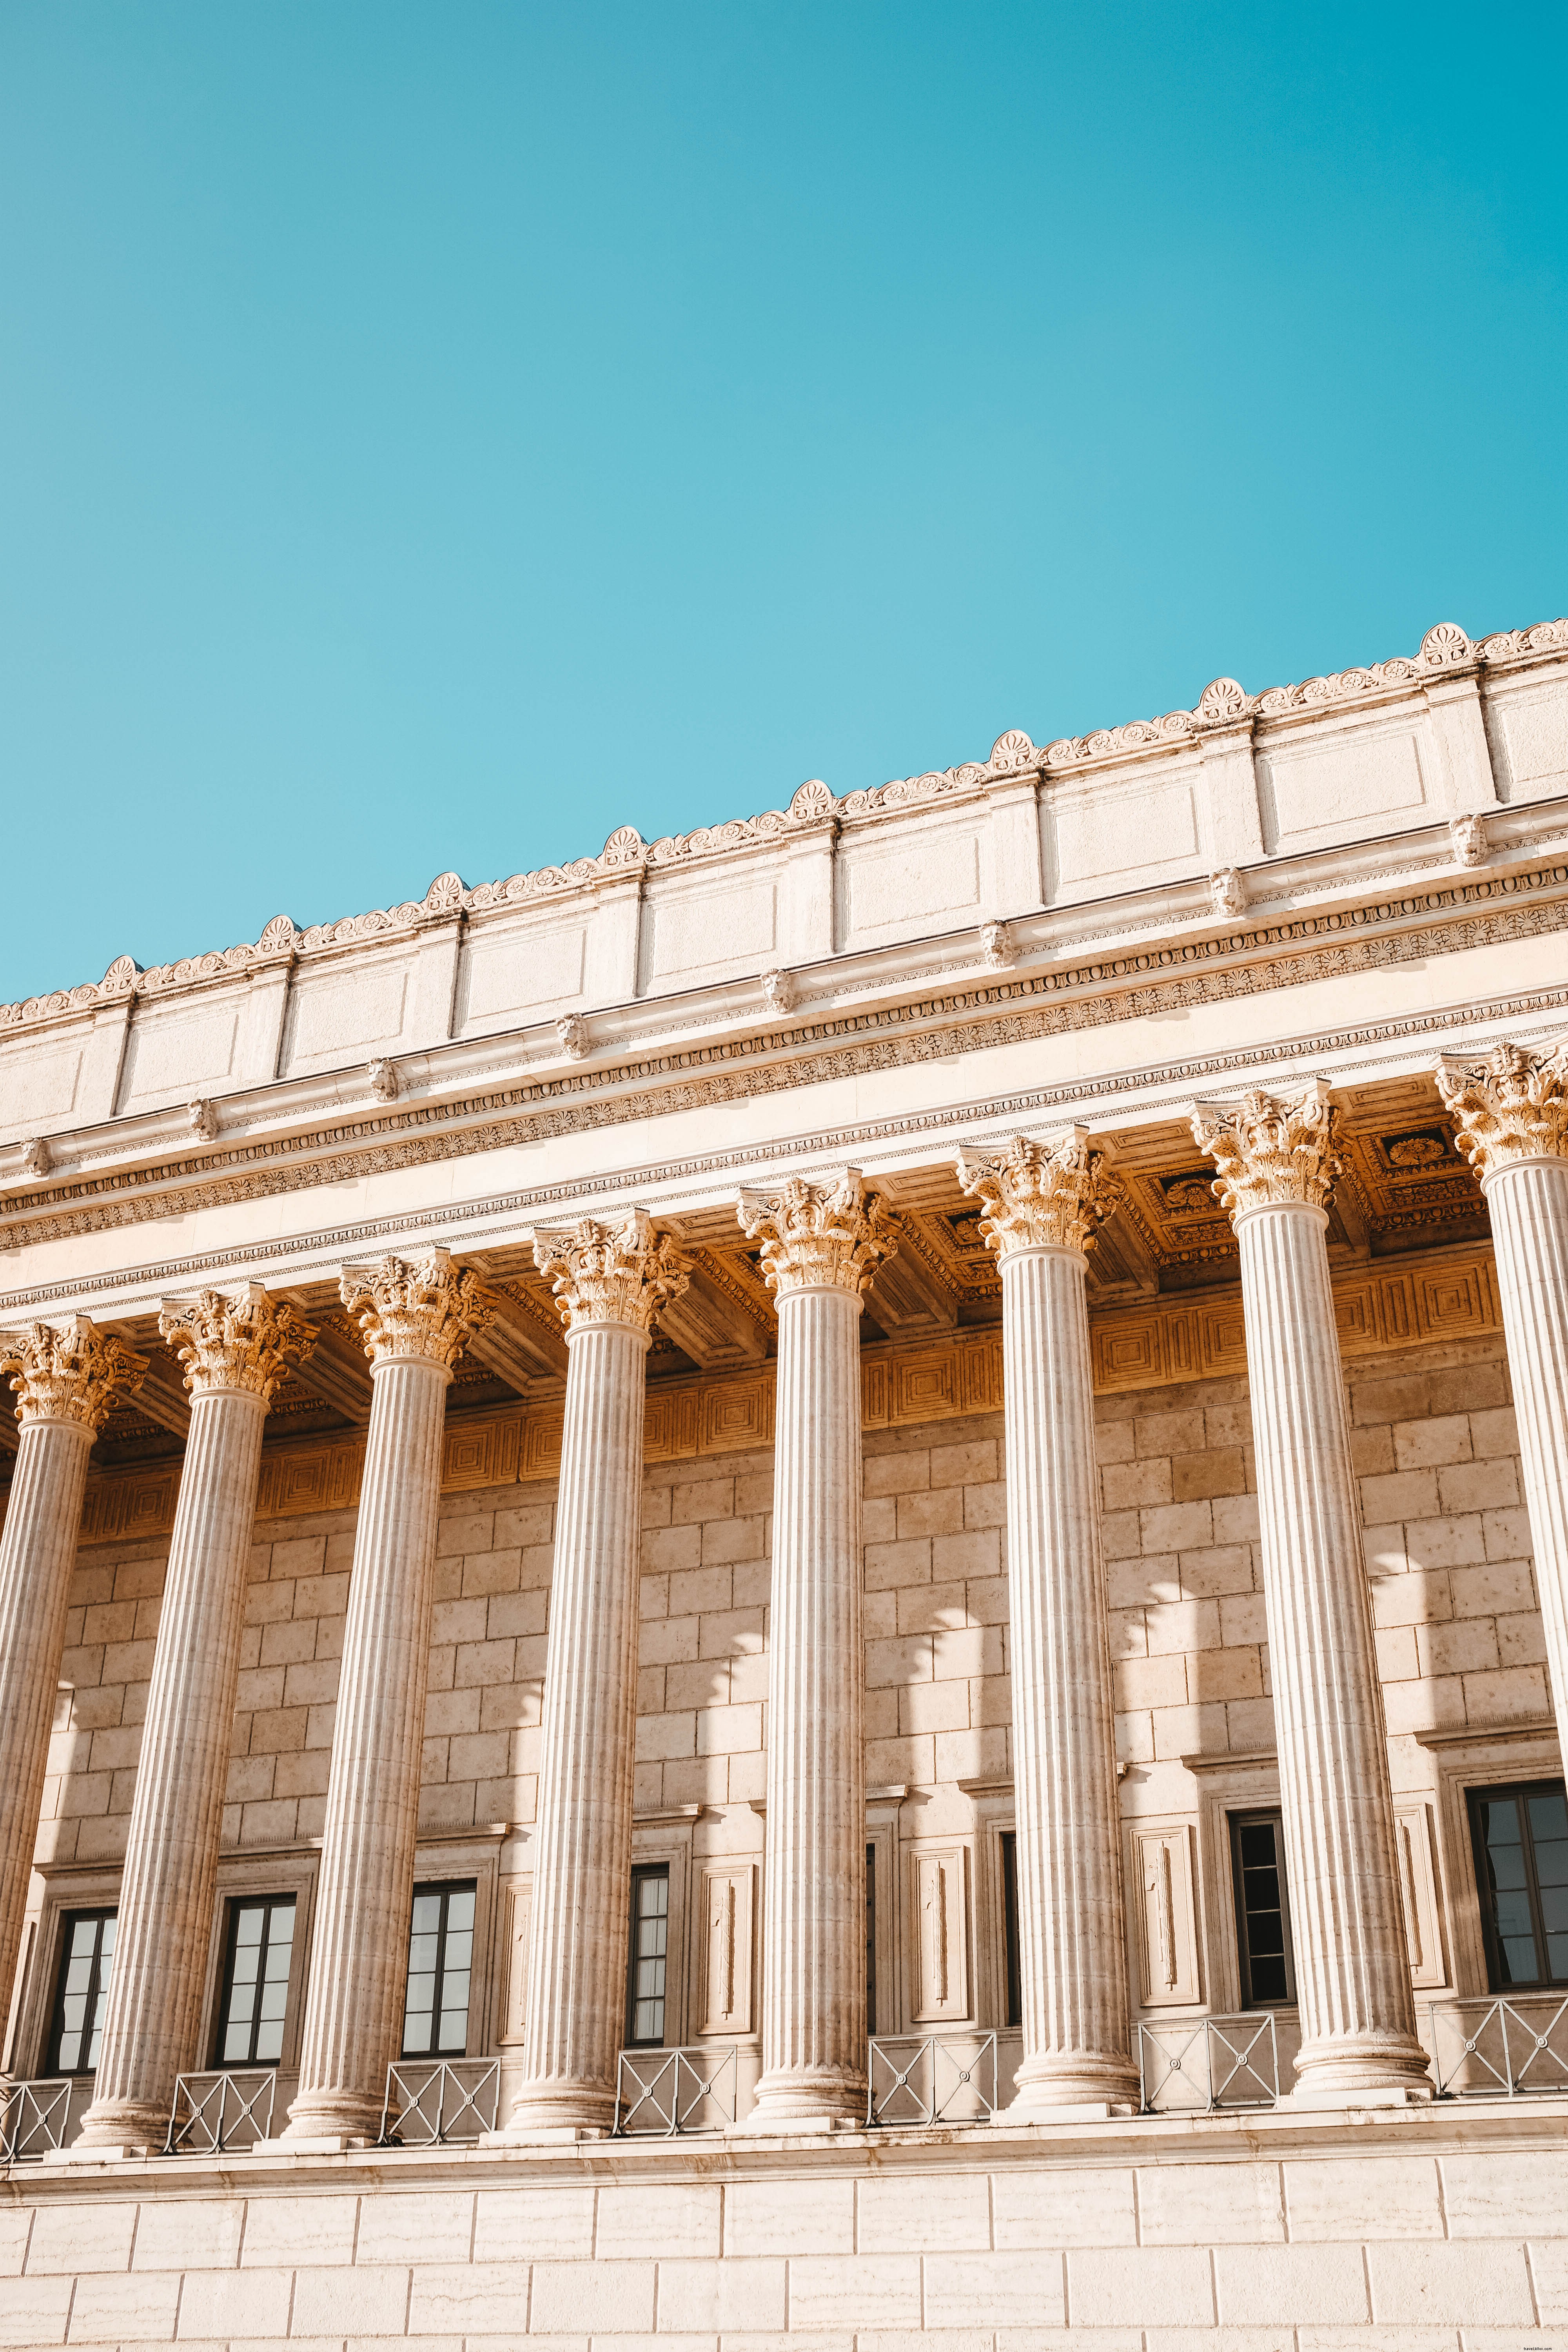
932 2078
1208 2063
34 2118
665 2092
439 2102
1505 2047
220 2109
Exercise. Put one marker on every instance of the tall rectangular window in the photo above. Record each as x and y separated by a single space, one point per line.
1010 1926
1262 1910
87 1957
870 1940
1521 1837
440 1959
647 1957
256 1981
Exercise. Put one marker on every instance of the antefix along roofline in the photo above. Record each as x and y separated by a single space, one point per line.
1446 653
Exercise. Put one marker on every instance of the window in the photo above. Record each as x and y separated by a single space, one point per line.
87 1957
645 1963
1262 1910
1522 1869
440 1955
256 1981
870 1940
1010 1926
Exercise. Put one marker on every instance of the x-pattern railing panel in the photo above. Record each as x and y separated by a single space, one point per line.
663 2092
35 2117
435 2103
223 2108
1221 2062
931 2078
1506 2047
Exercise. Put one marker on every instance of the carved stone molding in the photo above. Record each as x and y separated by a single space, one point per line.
383 1080
423 1309
69 1371
820 1237
1229 891
201 1117
611 1273
779 991
242 1339
1468 835
1049 1194
572 1032
998 946
1514 1106
1270 1149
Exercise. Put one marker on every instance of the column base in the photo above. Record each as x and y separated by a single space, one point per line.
808 2099
107 2151
1074 2087
1372 2070
328 2123
558 2110
119 2127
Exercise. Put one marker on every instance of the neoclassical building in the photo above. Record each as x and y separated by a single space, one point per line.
813 1581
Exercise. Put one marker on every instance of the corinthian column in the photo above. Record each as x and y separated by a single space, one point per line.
1512 1113
822 1244
1277 1165
610 1283
1043 1201
67 1379
417 1315
234 1351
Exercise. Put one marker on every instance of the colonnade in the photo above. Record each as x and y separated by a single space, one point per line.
1042 1200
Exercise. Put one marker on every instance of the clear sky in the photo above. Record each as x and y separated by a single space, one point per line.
431 435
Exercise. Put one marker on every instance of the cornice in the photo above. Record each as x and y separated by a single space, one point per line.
1226 962
1379 1048
1446 652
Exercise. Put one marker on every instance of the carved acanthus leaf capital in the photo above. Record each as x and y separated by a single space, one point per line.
820 1237
1512 1105
241 1339
69 1371
622 1273
1053 1193
415 1310
1270 1149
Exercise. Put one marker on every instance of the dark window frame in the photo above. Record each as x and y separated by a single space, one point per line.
1490 1792
1012 1948
69 1922
269 1904
446 1888
1257 1817
642 1874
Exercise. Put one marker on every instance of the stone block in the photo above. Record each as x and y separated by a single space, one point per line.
224 2305
545 2225
1521 1639
729 1632
1168 1433
1485 2285
1506 2193
665 1549
1468 1645
1222 1569
1406 1494
1178 1526
1228 1674
1270 2287
668 1640
897 1473
483 1661
60 2242
1548 2267
1348 2198
596 2297
139 2308
1506 1534
900 2215
1371 1450
974 1554
281 2230
1094 2207
33 2312
457 1530
1182 1625
726 1730
893 1565
727 1540
790 2217
1432 1443
933 1707
843 2290
1236 1519
1507 1697
1220 1470
935 1512
1479 1486
1000 2290
1140 2286
985 1507
1127 1486
905 1659
1444 1543
653 2221
1150 1681
735 2296
930 1608
974 1463
366 2301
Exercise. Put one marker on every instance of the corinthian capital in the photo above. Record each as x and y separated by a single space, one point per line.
68 1372
424 1310
820 1237
1270 1149
238 1339
1512 1105
622 1273
1050 1194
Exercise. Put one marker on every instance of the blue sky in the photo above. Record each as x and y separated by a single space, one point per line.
431 435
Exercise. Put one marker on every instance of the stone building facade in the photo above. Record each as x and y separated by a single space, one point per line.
889 1482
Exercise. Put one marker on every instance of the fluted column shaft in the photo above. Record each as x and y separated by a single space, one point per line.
814 1876
67 1379
1352 1970
416 1319
583 1843
1072 1947
153 2011
38 1553
1529 1203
